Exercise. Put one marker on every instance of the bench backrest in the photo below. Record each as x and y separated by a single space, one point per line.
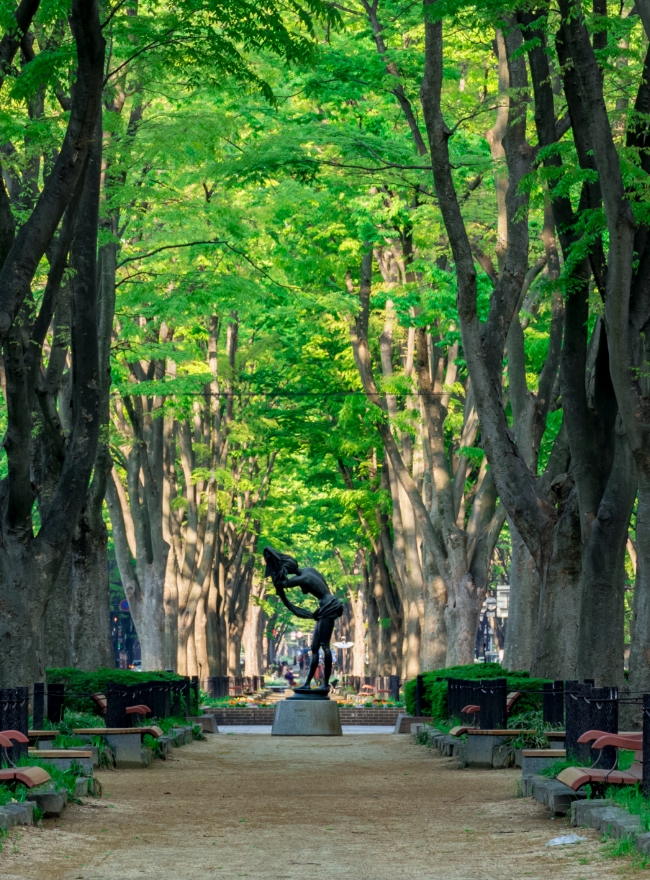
100 702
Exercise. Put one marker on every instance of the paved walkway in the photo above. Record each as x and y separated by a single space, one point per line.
347 728
341 808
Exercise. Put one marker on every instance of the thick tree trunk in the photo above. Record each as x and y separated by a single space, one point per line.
559 606
435 641
234 651
253 640
639 679
30 565
523 610
461 620
358 651
373 632
57 641
389 618
22 659
601 631
90 632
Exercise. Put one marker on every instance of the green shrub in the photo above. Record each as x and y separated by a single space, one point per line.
434 701
84 683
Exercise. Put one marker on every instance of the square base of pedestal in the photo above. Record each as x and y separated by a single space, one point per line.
307 718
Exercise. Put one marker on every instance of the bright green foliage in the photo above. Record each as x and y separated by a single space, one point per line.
434 702
630 797
78 682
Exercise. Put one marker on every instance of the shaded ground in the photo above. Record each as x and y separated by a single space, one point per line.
360 807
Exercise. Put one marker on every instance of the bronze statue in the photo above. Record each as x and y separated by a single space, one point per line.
312 582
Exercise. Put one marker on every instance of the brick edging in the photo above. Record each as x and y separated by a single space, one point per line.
264 716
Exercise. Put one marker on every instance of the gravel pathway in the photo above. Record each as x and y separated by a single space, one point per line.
364 807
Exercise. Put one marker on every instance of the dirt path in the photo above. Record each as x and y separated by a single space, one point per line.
358 807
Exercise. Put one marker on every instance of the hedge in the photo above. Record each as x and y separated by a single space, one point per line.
434 699
78 682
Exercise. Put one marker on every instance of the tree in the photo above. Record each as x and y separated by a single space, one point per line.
31 559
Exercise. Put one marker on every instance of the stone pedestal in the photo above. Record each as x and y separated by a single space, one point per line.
127 749
480 750
307 717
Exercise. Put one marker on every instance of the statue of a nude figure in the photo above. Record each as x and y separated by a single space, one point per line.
311 582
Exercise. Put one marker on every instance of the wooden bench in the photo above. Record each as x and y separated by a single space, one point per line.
474 708
476 731
576 777
73 754
558 754
101 703
152 729
9 737
29 776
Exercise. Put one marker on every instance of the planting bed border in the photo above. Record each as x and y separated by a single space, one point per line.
361 716
601 814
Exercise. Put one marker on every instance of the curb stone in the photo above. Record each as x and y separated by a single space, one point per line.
606 817
448 746
16 814
601 814
82 786
49 801
553 794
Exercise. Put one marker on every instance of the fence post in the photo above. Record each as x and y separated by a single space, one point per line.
195 689
548 707
571 717
394 687
603 715
451 698
646 746
115 705
128 696
419 693
175 699
38 711
14 715
22 719
558 700
553 704
470 693
578 710
186 695
494 714
158 700
55 703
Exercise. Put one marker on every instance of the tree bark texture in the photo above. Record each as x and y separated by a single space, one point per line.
523 609
31 564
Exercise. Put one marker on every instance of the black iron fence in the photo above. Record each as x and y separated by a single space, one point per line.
232 686
386 686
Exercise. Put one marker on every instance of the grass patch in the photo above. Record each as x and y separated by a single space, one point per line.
630 798
557 767
7 794
625 849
